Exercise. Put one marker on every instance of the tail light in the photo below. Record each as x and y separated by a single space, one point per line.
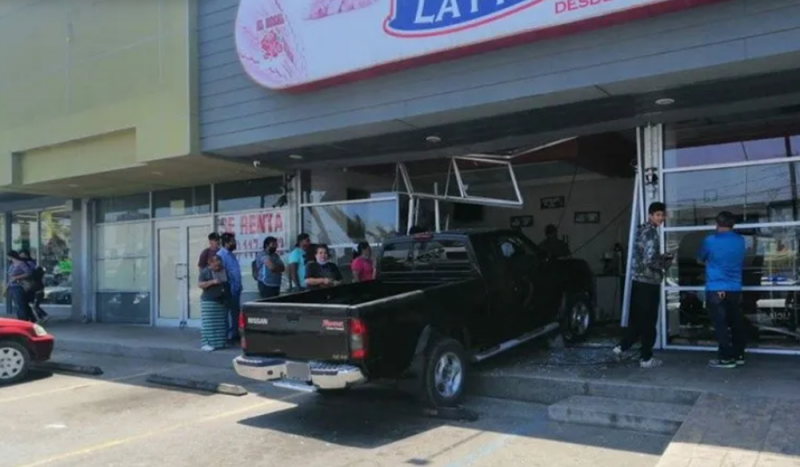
243 341
358 339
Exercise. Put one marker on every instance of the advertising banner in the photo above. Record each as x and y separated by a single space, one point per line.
253 227
305 44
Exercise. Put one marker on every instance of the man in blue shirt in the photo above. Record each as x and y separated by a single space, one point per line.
234 272
297 263
723 256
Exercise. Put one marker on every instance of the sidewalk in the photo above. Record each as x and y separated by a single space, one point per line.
171 345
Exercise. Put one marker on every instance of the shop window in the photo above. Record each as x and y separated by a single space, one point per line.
25 232
355 183
724 153
761 193
3 248
772 318
182 202
347 224
122 272
772 257
124 208
248 195
55 255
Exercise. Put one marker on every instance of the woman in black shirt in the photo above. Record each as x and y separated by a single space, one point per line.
321 273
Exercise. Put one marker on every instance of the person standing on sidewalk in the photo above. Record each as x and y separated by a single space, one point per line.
297 263
16 289
270 269
234 272
213 248
723 256
213 281
36 294
647 272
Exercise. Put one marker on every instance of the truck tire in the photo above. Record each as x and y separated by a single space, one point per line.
15 361
576 317
445 375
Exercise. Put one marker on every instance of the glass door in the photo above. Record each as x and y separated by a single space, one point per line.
178 247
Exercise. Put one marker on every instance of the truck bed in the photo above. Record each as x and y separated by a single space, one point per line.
347 295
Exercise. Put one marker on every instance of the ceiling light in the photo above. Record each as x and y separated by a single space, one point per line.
157 173
665 101
73 185
296 157
433 139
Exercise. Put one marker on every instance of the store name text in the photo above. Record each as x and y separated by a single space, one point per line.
430 17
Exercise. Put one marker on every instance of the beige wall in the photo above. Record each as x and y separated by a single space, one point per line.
90 86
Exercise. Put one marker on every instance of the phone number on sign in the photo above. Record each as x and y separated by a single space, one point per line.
566 6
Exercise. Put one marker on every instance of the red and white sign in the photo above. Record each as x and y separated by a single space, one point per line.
252 228
306 44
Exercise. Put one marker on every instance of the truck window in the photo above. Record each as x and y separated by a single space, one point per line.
512 246
434 255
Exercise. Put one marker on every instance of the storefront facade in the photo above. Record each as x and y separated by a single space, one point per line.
456 78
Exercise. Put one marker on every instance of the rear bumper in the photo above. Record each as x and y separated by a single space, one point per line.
306 376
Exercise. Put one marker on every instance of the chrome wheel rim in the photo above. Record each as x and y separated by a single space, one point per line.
12 362
580 318
448 375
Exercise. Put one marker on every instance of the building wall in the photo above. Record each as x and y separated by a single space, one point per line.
90 86
732 38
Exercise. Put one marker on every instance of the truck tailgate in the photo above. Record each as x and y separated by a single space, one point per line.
297 331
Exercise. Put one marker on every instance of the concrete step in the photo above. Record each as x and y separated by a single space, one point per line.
550 390
652 417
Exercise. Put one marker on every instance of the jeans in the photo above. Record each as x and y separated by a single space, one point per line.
268 291
234 305
725 311
643 318
20 299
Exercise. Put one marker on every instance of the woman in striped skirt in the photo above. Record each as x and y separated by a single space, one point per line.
214 282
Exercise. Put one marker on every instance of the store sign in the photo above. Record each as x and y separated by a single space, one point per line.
252 228
304 44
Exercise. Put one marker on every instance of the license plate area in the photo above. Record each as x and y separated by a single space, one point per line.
298 371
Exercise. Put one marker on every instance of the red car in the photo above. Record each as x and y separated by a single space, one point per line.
21 343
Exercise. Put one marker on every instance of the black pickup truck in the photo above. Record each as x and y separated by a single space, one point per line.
440 302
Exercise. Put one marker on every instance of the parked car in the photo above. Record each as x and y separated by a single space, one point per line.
440 303
21 344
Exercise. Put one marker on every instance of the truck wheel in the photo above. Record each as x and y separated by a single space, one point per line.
15 361
576 318
445 373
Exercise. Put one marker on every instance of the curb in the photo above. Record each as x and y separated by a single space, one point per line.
205 386
69 368
221 359
549 390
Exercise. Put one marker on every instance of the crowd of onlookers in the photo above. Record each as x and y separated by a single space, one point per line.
25 287
306 267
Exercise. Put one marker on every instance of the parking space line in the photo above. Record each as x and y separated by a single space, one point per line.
90 384
160 431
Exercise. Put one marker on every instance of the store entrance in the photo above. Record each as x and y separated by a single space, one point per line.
178 245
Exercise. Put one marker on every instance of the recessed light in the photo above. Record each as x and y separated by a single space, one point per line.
665 101
296 157
157 173
433 139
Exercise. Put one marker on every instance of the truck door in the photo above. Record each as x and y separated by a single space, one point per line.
502 306
523 265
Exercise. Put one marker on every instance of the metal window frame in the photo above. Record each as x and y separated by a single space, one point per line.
464 197
733 165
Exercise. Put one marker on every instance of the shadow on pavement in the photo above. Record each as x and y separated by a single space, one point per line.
372 417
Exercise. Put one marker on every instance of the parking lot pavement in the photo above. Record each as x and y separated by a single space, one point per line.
119 419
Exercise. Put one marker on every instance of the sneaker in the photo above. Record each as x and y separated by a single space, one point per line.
652 363
207 348
722 363
618 354
740 361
